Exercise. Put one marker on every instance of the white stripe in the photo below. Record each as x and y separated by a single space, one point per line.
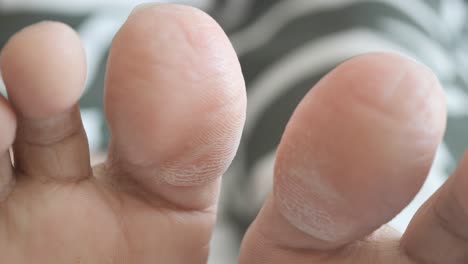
96 34
92 121
309 60
456 101
262 179
454 15
461 57
267 25
69 7
84 6
2 87
429 51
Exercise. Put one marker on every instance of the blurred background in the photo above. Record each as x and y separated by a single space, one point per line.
285 47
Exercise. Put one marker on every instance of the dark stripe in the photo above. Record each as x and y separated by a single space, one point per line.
457 129
435 4
218 6
217 9
314 26
12 23
270 125
258 7
94 98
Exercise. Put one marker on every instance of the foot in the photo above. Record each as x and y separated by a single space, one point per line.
175 103
353 155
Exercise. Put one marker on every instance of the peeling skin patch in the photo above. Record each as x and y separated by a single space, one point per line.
311 205
205 163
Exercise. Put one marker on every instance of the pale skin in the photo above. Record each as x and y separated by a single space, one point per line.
175 101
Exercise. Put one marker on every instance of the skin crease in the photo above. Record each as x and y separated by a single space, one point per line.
380 118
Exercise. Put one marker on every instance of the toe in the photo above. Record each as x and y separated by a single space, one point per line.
43 67
355 152
175 102
438 233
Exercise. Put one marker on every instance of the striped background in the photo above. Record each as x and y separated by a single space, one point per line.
285 47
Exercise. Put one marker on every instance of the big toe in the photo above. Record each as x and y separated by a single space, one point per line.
175 102
354 154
